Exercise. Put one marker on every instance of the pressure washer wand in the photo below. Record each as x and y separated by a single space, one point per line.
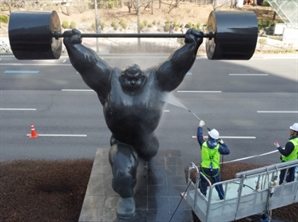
197 117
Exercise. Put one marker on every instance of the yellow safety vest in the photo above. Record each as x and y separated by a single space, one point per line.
210 156
293 154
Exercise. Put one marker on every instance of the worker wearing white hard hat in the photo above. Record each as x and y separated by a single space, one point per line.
211 149
289 153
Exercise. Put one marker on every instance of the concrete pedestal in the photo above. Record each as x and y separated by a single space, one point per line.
157 193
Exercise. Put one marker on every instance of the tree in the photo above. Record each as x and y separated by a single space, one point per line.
129 4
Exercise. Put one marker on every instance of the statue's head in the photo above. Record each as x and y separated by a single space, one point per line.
132 77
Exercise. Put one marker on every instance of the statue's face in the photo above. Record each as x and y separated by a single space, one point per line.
132 78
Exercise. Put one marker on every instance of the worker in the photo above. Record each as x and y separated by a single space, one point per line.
288 153
210 154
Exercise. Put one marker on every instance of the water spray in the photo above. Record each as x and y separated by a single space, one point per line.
169 98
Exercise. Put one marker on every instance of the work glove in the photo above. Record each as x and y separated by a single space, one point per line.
276 144
201 123
220 141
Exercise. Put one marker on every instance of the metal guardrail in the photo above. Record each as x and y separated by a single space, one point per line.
250 193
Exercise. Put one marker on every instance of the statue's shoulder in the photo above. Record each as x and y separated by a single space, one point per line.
150 72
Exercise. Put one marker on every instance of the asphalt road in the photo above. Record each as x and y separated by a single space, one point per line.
251 103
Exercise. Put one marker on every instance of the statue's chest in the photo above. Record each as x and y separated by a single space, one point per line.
145 98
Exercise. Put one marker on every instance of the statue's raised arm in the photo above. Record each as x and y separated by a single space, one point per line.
170 73
94 71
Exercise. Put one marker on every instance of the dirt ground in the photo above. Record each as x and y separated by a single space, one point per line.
186 12
54 190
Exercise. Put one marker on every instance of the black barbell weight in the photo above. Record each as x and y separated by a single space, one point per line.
236 35
36 35
30 35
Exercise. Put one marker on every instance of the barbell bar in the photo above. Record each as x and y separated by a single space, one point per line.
130 35
36 35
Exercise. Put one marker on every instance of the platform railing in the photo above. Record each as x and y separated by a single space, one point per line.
250 193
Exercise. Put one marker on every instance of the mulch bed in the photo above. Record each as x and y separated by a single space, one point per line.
287 213
43 190
54 190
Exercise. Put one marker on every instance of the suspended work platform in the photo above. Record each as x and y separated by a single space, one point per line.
250 193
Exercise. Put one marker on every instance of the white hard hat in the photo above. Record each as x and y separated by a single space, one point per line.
215 134
294 127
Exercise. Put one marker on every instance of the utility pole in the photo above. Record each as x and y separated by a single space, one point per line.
138 25
97 22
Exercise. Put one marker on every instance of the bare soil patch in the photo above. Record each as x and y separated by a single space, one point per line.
185 13
54 190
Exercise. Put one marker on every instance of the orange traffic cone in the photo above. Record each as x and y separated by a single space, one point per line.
33 134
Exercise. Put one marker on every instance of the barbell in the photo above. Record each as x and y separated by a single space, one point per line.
37 35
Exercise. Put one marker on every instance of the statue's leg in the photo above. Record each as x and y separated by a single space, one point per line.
149 146
124 162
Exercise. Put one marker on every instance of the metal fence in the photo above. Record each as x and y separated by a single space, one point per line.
287 10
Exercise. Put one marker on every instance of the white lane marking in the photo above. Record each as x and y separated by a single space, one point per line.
185 91
64 61
166 111
77 90
21 71
46 61
250 157
277 111
62 135
34 64
280 57
248 74
18 109
231 137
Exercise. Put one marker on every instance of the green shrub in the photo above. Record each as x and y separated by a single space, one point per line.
115 27
4 18
196 27
102 24
262 41
65 24
265 3
265 23
123 24
142 25
72 25
154 22
114 23
109 4
176 28
166 27
150 25
93 26
145 22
